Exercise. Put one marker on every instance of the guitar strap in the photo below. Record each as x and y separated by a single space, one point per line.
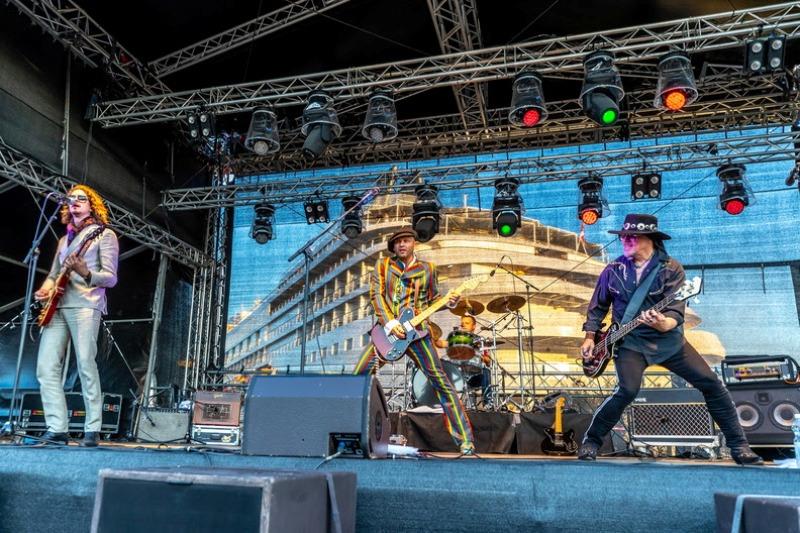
637 299
78 240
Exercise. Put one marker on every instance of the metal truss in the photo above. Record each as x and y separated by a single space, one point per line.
293 12
73 27
727 102
26 171
771 144
458 30
633 46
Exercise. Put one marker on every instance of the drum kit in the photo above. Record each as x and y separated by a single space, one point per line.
470 362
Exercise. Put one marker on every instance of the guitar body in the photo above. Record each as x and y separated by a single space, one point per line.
390 347
559 443
602 353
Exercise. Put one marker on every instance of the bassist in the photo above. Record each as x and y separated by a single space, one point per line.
403 281
77 315
658 340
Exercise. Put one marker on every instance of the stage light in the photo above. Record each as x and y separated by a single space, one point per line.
352 226
425 217
206 121
262 136
765 54
590 206
602 88
316 212
676 86
645 186
527 101
734 196
261 231
380 122
507 207
320 124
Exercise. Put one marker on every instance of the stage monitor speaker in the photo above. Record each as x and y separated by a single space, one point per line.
758 513
315 416
157 424
766 413
673 417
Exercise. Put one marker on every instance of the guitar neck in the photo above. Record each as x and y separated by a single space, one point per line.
633 324
557 426
435 306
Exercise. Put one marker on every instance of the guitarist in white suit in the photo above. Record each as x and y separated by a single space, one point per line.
658 340
403 281
78 312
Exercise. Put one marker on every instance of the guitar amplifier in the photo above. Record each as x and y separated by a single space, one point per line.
217 408
216 435
754 372
32 413
671 417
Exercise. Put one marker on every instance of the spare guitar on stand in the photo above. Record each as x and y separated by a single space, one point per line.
557 441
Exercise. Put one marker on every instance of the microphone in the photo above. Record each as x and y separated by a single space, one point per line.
62 199
494 269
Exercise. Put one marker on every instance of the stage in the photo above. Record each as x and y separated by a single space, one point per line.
52 489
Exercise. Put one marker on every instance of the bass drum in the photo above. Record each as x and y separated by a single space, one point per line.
424 393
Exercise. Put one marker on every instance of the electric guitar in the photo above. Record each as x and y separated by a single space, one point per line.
558 442
390 347
606 341
49 307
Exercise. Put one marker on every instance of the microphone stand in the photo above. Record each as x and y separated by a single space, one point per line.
31 259
305 250
529 328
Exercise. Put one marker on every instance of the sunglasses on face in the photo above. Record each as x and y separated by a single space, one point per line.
78 198
629 237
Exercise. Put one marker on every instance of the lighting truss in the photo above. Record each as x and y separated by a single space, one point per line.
66 22
26 171
764 145
237 36
555 56
727 103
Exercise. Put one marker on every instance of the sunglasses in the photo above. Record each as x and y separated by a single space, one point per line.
78 198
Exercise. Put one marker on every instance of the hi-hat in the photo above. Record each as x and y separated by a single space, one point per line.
506 304
465 306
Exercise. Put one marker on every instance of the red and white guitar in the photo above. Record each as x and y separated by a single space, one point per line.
50 306
606 341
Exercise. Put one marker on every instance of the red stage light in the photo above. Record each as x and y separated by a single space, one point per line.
734 206
674 100
531 118
589 216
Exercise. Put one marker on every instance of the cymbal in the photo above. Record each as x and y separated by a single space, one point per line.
463 306
436 331
506 304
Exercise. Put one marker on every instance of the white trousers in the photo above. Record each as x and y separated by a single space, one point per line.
82 326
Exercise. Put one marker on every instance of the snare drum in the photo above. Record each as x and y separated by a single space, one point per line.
423 391
462 345
472 366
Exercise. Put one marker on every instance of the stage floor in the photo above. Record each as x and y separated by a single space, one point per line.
52 489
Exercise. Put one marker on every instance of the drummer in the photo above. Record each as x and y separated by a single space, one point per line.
484 379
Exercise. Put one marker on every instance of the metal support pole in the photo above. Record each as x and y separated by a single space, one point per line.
158 308
306 261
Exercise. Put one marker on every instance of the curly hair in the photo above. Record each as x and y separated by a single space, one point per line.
96 205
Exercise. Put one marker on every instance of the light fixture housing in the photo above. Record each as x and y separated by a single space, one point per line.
351 225
507 207
645 186
316 212
735 194
262 135
261 231
602 88
425 212
527 101
765 54
380 122
676 85
320 124
590 206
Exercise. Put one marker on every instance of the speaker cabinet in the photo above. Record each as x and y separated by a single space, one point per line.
766 413
674 417
315 416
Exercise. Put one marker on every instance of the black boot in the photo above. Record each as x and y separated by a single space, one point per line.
588 451
90 439
51 438
743 455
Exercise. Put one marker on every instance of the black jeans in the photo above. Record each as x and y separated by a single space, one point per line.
687 364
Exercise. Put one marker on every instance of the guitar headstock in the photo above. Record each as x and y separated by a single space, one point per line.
89 238
472 283
690 287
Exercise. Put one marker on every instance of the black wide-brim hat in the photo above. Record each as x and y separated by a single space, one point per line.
403 232
641 224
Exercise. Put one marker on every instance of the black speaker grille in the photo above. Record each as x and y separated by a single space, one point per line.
671 420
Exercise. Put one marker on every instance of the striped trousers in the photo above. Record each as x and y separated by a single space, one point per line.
424 355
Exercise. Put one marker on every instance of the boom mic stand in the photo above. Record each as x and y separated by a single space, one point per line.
529 328
31 259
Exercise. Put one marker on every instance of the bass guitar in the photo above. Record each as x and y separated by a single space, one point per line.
50 306
606 341
391 347
558 442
